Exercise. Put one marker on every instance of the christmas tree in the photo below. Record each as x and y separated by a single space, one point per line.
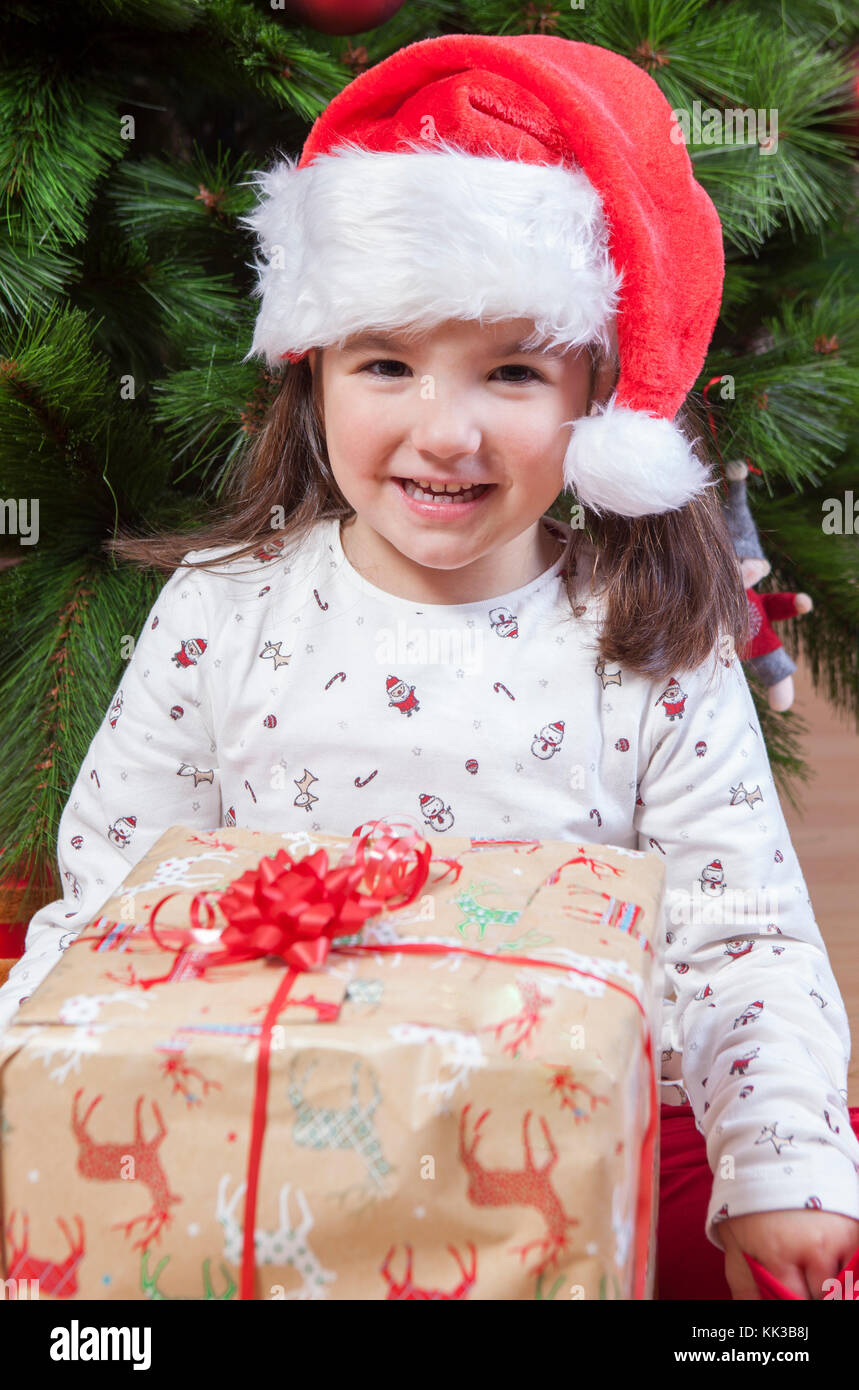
132 128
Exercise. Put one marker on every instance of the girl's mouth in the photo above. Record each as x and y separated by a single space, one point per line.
441 504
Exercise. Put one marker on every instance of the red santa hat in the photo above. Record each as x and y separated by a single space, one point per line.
477 177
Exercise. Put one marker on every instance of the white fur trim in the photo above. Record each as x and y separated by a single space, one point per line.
364 239
632 463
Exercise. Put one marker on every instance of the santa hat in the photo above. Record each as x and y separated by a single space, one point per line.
476 177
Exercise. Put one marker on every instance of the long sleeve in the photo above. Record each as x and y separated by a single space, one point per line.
152 763
779 606
757 1016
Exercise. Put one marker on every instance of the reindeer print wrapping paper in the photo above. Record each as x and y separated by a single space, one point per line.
437 1127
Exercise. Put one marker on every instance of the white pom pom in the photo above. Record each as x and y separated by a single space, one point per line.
631 463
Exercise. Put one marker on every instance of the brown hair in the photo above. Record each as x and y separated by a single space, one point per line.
671 583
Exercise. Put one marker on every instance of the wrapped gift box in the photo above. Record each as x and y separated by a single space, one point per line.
475 1121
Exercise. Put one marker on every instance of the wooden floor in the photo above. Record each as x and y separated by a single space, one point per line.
826 841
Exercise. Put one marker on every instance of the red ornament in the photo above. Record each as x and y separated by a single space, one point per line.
341 16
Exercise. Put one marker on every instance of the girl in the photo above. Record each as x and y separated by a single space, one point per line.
495 277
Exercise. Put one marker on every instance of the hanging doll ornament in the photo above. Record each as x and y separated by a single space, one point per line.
765 653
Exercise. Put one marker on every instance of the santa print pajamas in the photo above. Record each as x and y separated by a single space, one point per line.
286 692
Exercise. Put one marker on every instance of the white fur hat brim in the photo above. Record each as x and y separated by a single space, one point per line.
363 238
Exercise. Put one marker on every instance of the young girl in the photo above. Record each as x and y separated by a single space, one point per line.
495 277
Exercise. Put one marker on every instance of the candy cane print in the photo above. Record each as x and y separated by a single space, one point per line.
595 815
322 605
359 783
341 676
498 686
95 775
250 789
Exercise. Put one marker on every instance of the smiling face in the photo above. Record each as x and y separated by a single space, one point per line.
454 405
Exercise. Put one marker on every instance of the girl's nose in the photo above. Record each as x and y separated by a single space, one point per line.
445 431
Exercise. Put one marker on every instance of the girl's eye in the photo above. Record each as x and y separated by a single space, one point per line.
510 367
515 367
387 362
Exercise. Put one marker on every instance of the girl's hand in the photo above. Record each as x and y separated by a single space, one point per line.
799 1247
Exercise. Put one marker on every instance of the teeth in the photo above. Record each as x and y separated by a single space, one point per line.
427 486
423 492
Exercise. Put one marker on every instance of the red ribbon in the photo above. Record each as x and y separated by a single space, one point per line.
294 910
773 1289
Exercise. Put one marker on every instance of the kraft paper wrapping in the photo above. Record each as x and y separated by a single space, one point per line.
437 1126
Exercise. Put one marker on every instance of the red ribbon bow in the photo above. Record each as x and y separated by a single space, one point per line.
295 909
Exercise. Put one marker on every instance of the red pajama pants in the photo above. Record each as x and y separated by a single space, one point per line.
688 1266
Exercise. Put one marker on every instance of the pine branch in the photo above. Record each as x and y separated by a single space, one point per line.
793 93
680 43
196 201
796 397
62 625
821 21
52 389
132 16
260 55
68 439
58 135
692 51
740 291
31 281
806 264
210 408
